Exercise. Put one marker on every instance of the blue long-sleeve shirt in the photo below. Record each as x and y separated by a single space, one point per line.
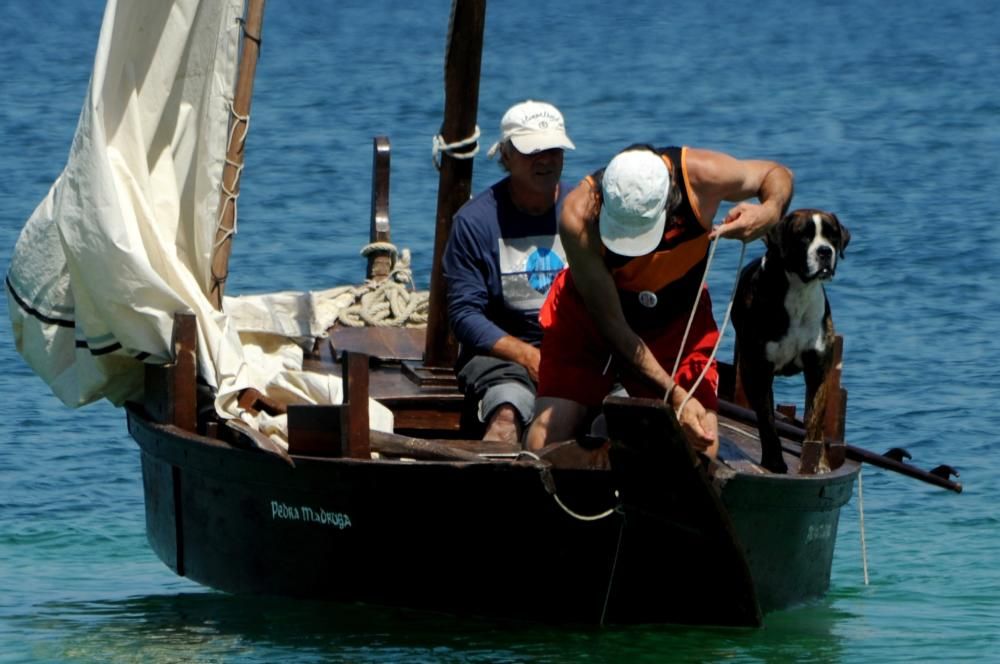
498 265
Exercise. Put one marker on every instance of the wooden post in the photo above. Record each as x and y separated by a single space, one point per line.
171 389
462 65
380 261
354 427
253 23
834 418
340 430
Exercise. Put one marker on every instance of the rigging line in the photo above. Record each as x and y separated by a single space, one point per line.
694 307
861 519
255 38
722 328
240 117
614 566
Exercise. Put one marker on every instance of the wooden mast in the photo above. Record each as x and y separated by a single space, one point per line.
462 64
250 50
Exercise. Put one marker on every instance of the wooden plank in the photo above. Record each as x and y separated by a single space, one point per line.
314 429
338 430
420 448
384 343
354 426
430 377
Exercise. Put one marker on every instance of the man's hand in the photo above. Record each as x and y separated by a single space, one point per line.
746 221
515 350
694 420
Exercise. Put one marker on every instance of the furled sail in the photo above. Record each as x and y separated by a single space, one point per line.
124 237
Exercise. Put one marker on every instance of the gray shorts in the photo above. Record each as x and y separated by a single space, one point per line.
490 382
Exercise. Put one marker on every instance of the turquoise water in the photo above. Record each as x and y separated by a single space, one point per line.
889 113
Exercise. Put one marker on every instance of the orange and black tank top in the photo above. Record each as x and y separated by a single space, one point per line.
655 287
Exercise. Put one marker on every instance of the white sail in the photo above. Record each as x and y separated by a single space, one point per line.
123 239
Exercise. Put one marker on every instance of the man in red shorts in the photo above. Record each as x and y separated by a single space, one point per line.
636 236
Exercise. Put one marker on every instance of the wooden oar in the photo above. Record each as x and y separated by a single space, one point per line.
938 476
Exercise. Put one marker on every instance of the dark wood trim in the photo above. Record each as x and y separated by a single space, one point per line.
462 65
380 263
170 390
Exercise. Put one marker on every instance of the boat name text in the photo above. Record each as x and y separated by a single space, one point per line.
819 531
285 512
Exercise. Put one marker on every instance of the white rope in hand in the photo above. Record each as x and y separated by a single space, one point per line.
722 328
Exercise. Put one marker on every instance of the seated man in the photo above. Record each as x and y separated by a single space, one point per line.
501 258
636 236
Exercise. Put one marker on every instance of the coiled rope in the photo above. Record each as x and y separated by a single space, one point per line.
391 302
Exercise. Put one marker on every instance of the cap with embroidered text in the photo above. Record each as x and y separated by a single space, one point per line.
533 126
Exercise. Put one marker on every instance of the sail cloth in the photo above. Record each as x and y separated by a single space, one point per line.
124 237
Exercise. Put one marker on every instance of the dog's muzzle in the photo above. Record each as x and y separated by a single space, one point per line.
824 263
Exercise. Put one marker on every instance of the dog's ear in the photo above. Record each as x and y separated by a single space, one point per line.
845 235
774 239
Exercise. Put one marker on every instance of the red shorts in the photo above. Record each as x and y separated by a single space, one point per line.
575 356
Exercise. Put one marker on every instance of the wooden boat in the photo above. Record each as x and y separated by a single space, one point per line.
636 531
633 529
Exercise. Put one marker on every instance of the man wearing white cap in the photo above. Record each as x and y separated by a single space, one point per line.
501 258
637 235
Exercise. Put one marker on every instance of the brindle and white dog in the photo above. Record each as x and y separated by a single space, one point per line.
783 323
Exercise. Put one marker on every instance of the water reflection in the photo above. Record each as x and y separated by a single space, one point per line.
215 627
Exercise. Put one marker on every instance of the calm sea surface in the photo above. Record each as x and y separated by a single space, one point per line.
889 113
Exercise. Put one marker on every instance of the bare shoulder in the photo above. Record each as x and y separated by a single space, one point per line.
709 167
719 175
580 207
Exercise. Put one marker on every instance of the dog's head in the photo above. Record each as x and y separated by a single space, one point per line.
809 243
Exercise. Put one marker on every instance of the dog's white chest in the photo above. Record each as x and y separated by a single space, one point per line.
806 305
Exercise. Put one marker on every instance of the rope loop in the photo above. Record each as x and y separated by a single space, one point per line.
454 150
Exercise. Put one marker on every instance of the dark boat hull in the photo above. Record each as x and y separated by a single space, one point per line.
485 538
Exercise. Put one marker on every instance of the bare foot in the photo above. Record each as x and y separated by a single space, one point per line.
504 425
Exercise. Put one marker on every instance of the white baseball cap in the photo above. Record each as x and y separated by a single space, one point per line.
635 189
533 126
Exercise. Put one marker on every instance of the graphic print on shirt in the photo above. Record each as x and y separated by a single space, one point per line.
528 265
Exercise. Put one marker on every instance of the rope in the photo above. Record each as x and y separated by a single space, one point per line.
861 515
585 517
392 302
550 487
452 149
611 576
232 192
388 247
722 328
